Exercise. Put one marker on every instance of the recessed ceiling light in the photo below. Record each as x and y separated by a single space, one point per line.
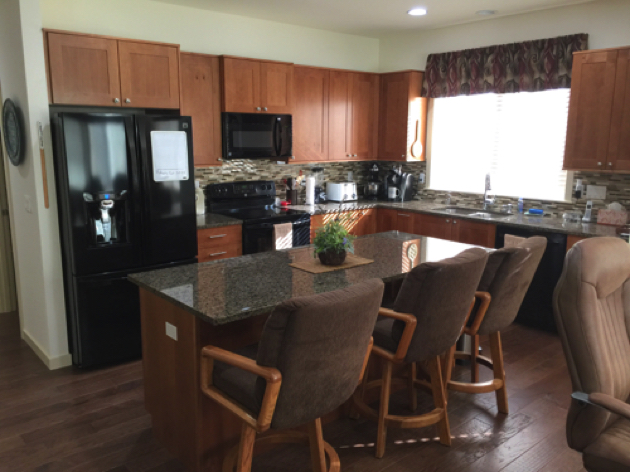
486 12
417 12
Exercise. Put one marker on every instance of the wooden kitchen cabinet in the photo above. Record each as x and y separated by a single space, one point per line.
402 117
353 115
82 70
149 75
200 99
219 243
95 70
310 113
394 220
455 229
598 130
254 86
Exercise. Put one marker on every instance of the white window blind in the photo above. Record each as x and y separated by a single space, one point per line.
519 138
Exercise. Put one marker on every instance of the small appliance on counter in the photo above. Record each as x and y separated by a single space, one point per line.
374 186
320 194
256 136
253 202
341 191
398 185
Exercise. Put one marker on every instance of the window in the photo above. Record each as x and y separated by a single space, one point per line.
518 138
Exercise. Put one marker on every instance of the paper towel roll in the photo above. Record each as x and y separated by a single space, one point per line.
310 190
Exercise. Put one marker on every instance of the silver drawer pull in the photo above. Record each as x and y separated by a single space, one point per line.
217 254
402 214
217 236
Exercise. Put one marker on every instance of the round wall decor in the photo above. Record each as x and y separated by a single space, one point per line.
13 132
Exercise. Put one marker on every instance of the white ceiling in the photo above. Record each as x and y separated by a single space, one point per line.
371 18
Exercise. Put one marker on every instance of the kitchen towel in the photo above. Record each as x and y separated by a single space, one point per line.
283 235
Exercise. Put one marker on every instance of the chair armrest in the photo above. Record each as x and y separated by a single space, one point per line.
272 376
605 402
484 298
407 335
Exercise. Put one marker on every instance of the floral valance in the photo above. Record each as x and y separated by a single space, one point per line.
519 67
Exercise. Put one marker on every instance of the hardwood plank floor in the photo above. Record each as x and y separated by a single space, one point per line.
73 420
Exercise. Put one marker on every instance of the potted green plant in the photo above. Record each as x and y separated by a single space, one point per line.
332 241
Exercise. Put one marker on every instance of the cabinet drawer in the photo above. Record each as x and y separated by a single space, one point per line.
219 237
207 254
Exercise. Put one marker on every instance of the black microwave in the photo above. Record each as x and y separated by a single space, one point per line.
256 136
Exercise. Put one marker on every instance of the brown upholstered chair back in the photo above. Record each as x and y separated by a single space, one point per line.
439 294
319 344
507 276
592 309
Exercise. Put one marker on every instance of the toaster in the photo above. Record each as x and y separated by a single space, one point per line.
341 191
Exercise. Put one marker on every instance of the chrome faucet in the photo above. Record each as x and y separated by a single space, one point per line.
448 198
487 200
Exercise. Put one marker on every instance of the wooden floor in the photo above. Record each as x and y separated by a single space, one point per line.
70 420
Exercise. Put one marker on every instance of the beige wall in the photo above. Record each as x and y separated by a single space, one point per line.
35 232
210 32
606 21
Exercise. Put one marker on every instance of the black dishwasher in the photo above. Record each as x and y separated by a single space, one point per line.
537 308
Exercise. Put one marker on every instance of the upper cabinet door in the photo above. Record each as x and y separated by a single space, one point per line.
201 100
310 114
364 115
83 70
339 116
276 87
393 115
619 150
241 85
590 110
149 75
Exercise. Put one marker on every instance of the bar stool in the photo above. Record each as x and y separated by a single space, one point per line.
506 278
430 310
310 359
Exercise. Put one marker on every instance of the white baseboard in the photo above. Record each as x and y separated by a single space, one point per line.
52 363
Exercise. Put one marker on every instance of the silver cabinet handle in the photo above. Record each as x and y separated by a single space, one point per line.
116 100
448 221
219 159
217 254
348 155
610 164
402 155
217 236
293 157
257 108
264 108
599 163
402 214
354 155
454 222
127 100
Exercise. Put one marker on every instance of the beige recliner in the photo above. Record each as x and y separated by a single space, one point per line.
592 309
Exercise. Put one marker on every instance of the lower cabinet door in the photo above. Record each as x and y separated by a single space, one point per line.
404 222
432 226
472 232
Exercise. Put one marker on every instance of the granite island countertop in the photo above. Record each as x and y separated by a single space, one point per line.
543 223
228 290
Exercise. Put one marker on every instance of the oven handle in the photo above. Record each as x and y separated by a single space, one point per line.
271 225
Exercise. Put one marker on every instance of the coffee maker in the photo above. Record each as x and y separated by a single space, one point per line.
398 185
373 187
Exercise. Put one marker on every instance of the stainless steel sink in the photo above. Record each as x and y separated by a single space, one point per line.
486 215
460 211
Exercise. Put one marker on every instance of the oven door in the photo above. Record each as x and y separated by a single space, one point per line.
258 237
256 135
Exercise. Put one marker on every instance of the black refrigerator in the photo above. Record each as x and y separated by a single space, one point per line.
126 198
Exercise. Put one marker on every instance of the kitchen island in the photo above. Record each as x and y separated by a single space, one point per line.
225 303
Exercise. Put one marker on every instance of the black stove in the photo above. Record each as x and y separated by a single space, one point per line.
253 203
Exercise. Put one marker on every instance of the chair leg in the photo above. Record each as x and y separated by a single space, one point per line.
474 352
246 449
413 394
496 351
447 367
316 440
439 398
383 409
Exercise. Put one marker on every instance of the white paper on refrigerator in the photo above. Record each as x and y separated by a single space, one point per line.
170 155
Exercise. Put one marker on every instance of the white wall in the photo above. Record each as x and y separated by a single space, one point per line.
35 233
205 31
607 23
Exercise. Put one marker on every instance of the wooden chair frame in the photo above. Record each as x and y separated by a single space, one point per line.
495 362
240 457
435 385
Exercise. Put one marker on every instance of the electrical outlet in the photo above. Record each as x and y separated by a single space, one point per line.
596 192
171 331
28 206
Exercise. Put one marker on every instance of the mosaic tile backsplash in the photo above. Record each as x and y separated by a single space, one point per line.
618 185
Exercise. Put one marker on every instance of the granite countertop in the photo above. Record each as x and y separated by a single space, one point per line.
227 290
214 220
550 224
